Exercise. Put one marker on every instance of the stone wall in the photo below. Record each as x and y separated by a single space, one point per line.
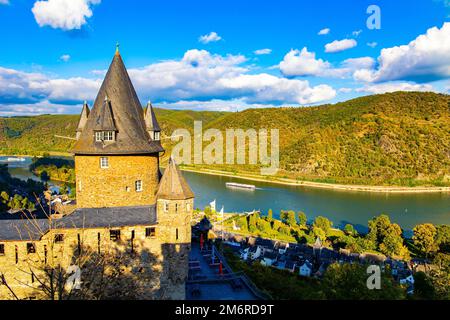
115 185
151 267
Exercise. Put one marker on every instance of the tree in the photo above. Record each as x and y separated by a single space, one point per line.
270 215
425 238
302 220
252 222
392 243
207 211
4 197
64 189
443 238
291 221
319 233
323 223
349 281
350 230
423 286
44 176
378 228
284 216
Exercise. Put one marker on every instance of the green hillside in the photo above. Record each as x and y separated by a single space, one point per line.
390 139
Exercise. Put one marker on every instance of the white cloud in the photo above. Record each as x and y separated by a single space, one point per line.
345 90
17 87
210 37
304 63
340 45
324 32
4 1
425 59
65 57
202 75
42 107
198 76
63 14
356 33
372 44
262 51
213 105
394 86
359 63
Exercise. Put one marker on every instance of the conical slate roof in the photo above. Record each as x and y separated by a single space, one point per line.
125 112
83 118
150 119
172 185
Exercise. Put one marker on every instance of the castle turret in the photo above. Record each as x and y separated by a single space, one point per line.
151 123
83 119
175 202
116 161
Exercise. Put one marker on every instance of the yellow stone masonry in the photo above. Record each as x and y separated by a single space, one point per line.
115 186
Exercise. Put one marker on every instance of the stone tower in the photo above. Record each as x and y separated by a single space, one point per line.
116 160
175 201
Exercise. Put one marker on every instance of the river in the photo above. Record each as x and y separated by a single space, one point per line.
341 207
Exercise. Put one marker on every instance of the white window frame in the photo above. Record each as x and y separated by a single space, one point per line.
104 162
98 136
107 136
139 186
156 135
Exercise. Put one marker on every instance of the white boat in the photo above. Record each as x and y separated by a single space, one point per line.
240 186
15 159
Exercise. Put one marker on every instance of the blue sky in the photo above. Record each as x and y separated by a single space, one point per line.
253 54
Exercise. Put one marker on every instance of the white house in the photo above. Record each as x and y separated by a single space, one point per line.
305 269
255 253
282 247
244 254
269 258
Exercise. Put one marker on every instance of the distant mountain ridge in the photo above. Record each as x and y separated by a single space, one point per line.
400 138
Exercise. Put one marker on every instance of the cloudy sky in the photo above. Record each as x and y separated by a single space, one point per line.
220 55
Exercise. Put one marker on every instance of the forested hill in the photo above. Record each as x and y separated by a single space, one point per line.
397 138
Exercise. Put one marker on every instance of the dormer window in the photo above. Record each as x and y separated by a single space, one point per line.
105 136
156 136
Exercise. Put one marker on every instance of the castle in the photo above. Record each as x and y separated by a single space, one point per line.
124 206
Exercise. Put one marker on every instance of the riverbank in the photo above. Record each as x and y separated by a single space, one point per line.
321 185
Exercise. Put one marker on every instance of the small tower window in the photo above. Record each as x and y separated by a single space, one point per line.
150 232
138 185
2 249
166 206
156 136
104 136
114 235
104 163
176 207
31 248
59 238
